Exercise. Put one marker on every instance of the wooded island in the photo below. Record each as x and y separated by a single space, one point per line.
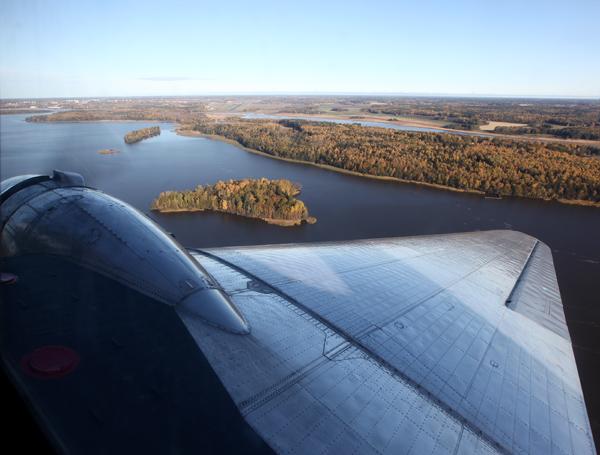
273 201
138 135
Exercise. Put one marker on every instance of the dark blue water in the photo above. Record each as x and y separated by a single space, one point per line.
346 207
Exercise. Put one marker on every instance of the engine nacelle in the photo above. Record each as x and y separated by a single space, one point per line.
59 215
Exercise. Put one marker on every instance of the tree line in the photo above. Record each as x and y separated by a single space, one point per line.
159 114
139 135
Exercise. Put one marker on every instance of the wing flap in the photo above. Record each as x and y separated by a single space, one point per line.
306 389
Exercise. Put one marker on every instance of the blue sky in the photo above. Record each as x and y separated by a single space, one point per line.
121 48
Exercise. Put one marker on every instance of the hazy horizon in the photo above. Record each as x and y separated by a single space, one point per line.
319 94
537 49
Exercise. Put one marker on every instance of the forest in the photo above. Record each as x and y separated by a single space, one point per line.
94 115
139 135
273 201
497 167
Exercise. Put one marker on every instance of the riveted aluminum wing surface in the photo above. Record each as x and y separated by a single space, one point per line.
439 344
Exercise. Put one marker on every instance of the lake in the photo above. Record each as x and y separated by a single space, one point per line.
347 207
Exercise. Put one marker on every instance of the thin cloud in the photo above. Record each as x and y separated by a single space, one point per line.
171 79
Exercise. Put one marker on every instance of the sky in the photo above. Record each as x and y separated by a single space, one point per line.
63 48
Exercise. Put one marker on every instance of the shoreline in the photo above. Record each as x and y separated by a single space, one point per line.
274 221
189 133
25 111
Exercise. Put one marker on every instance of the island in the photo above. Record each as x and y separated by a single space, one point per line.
273 201
108 152
139 135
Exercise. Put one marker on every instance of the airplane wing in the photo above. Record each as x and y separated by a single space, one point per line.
438 344
121 340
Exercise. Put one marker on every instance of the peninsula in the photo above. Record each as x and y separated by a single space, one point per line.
498 167
139 135
272 201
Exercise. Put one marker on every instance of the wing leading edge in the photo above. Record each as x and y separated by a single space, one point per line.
438 344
